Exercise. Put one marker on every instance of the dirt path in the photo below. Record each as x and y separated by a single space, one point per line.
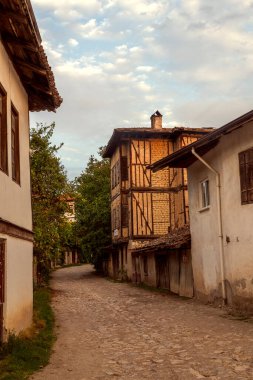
110 330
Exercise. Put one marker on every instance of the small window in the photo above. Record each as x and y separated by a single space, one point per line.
115 175
205 195
3 130
124 169
15 159
246 176
124 216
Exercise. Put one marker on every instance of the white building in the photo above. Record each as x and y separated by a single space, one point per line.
26 84
220 183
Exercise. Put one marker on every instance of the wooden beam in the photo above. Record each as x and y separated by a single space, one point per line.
9 14
30 66
38 87
7 38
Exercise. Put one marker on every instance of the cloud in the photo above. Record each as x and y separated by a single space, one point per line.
73 42
65 5
93 29
145 69
192 60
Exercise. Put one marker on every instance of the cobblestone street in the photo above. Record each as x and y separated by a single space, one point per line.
110 330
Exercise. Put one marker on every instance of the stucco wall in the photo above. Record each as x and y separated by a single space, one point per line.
15 207
237 222
18 284
15 203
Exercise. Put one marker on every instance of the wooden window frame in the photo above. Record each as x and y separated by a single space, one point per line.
115 175
15 148
246 173
3 132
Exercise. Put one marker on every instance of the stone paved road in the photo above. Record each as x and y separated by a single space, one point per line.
110 330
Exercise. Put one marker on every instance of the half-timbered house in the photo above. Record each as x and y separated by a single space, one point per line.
144 205
26 84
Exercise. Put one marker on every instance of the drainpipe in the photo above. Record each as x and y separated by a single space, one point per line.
218 194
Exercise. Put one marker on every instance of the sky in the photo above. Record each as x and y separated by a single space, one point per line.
117 61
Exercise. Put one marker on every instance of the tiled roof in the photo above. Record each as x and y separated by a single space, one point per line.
21 38
178 238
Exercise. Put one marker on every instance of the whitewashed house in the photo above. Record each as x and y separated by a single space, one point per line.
220 184
26 84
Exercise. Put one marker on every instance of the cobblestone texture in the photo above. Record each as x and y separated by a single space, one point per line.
112 330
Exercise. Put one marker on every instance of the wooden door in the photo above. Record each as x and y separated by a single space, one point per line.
115 263
136 277
2 276
162 272
186 275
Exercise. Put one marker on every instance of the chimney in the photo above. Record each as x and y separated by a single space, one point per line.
156 120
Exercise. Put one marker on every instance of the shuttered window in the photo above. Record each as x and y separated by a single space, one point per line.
124 215
115 175
3 130
124 169
15 159
246 175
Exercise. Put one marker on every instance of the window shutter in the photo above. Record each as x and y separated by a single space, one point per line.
243 178
117 173
124 216
124 169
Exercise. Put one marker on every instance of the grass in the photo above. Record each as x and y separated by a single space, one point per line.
24 354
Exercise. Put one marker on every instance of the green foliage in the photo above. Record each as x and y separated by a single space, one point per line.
22 355
93 226
49 184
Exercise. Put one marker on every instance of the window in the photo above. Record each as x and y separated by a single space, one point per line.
124 211
3 130
246 175
124 216
205 196
115 175
15 160
124 169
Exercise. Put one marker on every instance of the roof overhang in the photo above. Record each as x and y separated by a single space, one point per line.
20 36
179 238
120 134
183 158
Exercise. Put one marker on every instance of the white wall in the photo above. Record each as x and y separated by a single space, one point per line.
15 200
237 222
18 284
15 207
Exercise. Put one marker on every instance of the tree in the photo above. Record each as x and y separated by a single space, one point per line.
49 185
93 226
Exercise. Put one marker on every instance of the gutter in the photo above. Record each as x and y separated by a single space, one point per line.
221 248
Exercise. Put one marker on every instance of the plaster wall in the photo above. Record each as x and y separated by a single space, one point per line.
18 305
237 220
15 204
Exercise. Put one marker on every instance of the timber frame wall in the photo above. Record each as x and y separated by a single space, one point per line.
146 205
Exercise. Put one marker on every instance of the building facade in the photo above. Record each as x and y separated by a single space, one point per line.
144 205
220 181
26 84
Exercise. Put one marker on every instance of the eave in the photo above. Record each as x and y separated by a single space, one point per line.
20 36
183 158
120 134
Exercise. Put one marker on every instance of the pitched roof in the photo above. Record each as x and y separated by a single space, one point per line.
120 134
22 41
184 157
178 238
